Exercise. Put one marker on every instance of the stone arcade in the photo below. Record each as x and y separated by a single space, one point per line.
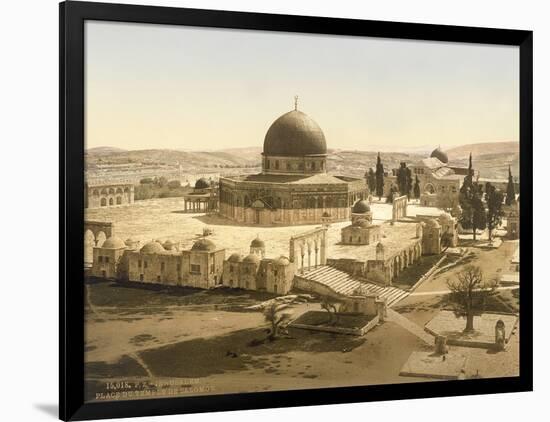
104 194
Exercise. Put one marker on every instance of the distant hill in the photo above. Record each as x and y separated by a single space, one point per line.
104 150
491 159
483 148
188 159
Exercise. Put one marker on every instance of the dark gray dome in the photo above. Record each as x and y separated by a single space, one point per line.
440 155
294 134
257 243
360 207
202 184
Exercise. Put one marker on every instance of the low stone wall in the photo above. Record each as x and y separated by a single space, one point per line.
339 330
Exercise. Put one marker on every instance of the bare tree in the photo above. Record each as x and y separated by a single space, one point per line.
469 293
278 319
329 305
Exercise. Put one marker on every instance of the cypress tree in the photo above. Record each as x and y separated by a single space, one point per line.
379 178
479 218
402 178
371 180
470 199
409 182
494 199
510 189
416 188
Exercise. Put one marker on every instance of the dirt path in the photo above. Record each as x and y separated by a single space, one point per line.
410 326
140 361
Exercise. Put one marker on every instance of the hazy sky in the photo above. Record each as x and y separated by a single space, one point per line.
157 86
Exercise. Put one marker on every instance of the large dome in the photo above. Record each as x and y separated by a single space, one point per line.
440 155
294 134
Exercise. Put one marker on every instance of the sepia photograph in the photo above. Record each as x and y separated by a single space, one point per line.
271 211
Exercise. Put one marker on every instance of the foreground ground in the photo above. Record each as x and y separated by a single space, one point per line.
147 335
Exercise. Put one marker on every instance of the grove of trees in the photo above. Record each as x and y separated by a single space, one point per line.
158 187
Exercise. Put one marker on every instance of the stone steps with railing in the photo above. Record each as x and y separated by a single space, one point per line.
343 283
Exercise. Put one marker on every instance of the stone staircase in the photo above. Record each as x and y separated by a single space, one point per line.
345 284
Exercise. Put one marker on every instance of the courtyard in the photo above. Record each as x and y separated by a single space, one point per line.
165 219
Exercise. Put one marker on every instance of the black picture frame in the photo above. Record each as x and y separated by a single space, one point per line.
72 15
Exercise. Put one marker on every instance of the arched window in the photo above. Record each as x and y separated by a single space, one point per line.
118 200
103 202
110 201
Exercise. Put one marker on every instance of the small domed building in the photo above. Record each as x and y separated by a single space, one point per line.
257 247
203 198
107 257
255 272
361 211
361 231
294 186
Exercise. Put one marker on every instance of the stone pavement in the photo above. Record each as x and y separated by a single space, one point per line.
446 323
410 326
